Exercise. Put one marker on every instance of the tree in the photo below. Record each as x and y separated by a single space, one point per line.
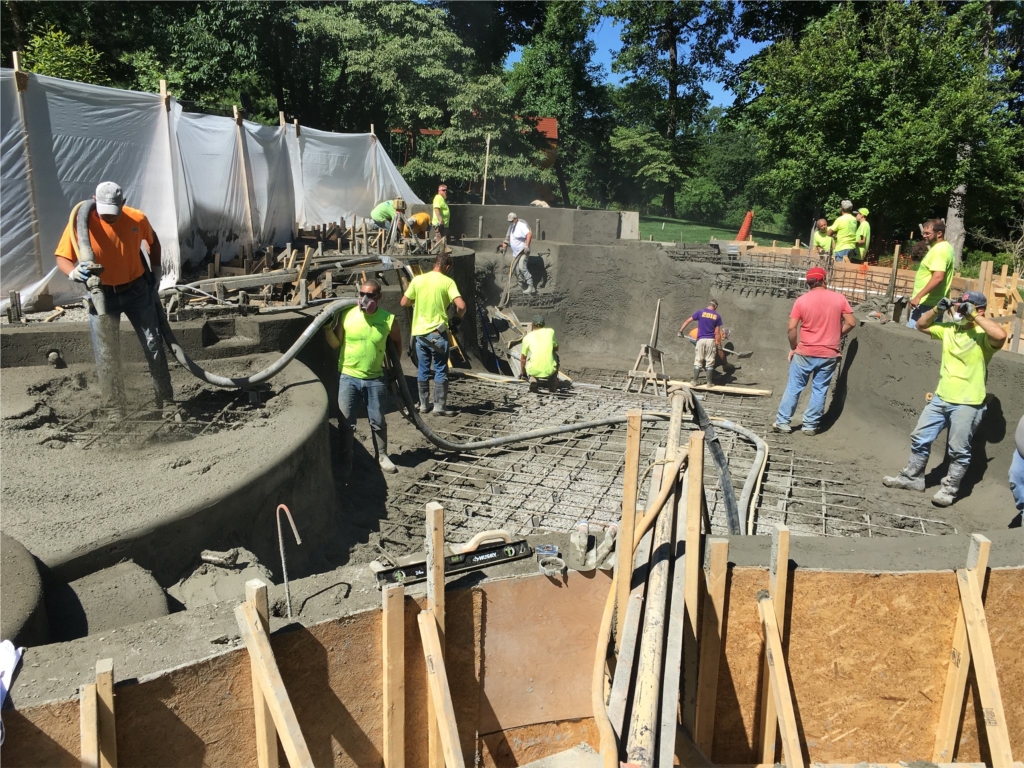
52 53
491 29
673 47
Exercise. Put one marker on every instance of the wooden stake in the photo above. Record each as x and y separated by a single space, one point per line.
274 693
959 665
778 581
105 713
778 678
624 561
393 647
694 502
984 668
88 724
435 605
266 733
713 622
440 694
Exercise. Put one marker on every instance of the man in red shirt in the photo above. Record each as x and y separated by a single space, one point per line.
818 320
116 234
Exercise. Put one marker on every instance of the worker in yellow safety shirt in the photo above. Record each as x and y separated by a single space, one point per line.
845 230
822 242
538 359
417 224
441 213
361 333
863 233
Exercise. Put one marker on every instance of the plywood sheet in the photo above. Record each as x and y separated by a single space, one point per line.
540 675
519 746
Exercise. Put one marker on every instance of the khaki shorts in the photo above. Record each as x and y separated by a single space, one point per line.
706 353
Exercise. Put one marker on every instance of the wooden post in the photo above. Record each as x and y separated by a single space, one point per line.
487 160
624 561
105 713
280 116
716 572
393 648
969 583
243 155
88 725
959 665
440 694
435 605
295 122
890 294
266 733
778 581
275 694
21 84
694 503
778 679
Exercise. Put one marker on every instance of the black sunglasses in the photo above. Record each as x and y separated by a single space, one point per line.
369 295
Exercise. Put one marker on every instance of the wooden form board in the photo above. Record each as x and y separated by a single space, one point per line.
435 605
440 693
393 686
778 681
624 557
105 718
266 733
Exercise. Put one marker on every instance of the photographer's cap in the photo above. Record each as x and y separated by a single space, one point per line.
109 199
977 298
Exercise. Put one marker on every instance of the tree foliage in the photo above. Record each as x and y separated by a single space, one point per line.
52 53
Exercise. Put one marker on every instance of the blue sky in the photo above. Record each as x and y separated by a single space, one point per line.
605 36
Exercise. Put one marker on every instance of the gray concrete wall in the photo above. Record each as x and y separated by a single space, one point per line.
565 225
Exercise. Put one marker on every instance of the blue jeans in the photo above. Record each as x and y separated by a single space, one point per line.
841 255
386 225
820 371
372 393
138 304
520 269
916 312
432 348
1017 480
961 420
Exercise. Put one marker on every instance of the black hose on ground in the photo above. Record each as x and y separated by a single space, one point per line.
700 417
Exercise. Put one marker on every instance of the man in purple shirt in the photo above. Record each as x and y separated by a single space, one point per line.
709 339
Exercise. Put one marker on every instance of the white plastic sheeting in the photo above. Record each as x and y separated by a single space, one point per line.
206 183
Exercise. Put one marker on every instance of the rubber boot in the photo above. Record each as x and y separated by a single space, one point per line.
710 373
424 396
911 477
347 440
696 375
440 398
380 440
950 486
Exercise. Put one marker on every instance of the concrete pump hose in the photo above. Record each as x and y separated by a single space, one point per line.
322 318
80 215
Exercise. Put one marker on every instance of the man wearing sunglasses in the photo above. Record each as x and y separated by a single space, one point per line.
361 334
968 343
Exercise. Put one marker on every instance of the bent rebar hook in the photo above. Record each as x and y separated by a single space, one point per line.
280 543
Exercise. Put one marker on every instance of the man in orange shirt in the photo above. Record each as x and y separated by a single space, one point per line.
116 234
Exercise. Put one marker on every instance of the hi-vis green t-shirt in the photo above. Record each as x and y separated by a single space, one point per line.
845 228
864 230
442 205
965 356
362 348
431 293
539 348
822 241
940 258
383 212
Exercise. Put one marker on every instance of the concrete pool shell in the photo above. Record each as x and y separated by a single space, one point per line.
601 312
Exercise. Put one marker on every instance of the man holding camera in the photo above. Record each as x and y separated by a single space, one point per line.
519 237
968 343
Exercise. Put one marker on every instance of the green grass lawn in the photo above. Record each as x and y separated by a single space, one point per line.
680 230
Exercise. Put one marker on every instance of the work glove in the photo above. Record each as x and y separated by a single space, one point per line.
525 252
502 248
454 324
80 274
968 310
943 305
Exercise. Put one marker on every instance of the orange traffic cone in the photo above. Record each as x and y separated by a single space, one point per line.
748 222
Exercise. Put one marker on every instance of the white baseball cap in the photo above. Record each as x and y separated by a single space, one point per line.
512 217
109 199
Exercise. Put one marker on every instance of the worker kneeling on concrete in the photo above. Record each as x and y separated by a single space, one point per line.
709 340
519 238
968 343
126 285
429 295
538 359
361 334
818 320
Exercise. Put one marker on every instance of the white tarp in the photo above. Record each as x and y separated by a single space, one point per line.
206 183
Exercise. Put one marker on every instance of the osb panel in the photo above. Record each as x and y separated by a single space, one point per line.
1004 612
519 746
541 675
739 673
42 735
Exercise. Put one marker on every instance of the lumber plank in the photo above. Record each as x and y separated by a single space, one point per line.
435 604
624 560
712 625
726 388
959 665
676 638
694 503
779 682
984 668
393 648
275 694
440 694
107 728
88 725
266 733
778 582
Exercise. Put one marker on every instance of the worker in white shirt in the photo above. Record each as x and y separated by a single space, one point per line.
519 237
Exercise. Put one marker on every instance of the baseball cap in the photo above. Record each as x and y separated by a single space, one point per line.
512 217
816 273
538 319
109 198
713 302
862 211
977 298
442 187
